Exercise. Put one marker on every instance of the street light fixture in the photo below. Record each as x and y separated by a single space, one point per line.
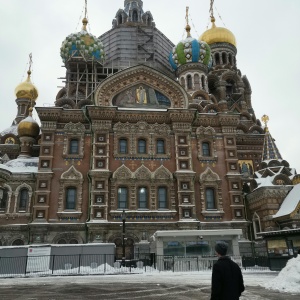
123 238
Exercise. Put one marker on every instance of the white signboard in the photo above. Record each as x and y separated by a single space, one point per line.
38 259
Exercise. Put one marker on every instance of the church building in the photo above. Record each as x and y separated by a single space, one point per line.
161 134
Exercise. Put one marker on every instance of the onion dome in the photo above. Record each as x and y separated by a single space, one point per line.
82 44
26 89
218 35
28 127
190 50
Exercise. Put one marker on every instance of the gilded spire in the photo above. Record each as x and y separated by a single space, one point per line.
211 10
85 20
187 27
270 150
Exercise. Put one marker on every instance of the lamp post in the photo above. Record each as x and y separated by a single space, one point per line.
123 238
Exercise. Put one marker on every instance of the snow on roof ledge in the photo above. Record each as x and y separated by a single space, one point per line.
290 203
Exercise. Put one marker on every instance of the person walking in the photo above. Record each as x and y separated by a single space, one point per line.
227 280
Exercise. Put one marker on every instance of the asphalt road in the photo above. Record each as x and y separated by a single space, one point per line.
124 291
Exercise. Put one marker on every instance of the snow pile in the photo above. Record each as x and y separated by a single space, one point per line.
288 280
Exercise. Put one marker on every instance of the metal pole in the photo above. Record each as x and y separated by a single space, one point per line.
123 238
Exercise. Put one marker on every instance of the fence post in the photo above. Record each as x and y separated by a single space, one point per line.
104 263
26 265
53 263
79 262
173 263
198 263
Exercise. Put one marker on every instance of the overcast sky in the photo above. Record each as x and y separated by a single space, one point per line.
267 34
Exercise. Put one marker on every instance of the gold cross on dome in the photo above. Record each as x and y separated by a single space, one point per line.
265 119
187 15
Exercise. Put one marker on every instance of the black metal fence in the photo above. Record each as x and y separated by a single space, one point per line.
83 264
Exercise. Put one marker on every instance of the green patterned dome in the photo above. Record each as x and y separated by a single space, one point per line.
82 44
190 50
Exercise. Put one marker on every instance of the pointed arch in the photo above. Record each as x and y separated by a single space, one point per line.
71 174
142 173
122 172
162 173
209 176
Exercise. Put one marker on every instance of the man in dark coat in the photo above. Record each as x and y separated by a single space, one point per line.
227 279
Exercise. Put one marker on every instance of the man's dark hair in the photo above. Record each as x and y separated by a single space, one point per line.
221 248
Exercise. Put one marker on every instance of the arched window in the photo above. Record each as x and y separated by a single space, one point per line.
189 82
74 146
230 87
160 147
224 58
17 242
23 200
120 19
203 82
143 197
123 146
3 200
205 149
141 146
256 224
162 197
210 198
73 241
134 16
217 58
61 241
122 197
230 58
71 198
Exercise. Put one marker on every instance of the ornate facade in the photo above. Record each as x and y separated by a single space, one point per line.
169 136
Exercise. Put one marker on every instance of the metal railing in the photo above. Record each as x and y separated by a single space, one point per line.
84 264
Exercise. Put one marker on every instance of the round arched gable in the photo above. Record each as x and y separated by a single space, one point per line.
141 87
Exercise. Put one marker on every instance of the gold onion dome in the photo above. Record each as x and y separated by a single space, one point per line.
218 35
28 127
26 89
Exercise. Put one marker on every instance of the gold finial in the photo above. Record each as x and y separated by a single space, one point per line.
30 63
187 27
30 111
85 20
265 119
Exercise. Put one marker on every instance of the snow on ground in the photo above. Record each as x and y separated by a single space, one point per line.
288 280
201 278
